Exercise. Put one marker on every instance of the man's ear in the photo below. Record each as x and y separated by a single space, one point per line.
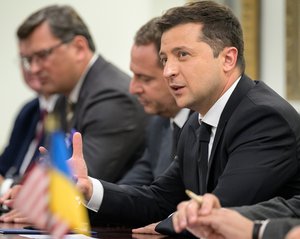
81 46
229 55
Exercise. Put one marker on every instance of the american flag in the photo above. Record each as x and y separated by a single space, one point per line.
32 201
35 194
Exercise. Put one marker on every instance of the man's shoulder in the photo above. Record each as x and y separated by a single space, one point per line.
265 97
30 107
102 69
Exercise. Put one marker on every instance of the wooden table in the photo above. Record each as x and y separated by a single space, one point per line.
103 233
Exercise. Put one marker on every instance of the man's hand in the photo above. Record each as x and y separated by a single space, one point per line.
14 216
188 211
8 200
209 220
79 168
222 223
149 229
294 233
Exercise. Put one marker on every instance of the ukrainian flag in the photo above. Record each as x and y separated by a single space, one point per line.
65 201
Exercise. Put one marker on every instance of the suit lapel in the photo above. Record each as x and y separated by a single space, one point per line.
88 84
244 85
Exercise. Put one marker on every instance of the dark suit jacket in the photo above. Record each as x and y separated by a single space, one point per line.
21 136
284 215
157 156
255 156
278 228
111 121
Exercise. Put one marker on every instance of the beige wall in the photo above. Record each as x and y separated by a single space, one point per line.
112 23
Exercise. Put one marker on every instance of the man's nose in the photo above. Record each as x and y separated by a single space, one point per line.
170 69
135 87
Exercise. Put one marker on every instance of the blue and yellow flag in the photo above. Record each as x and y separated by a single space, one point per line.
65 201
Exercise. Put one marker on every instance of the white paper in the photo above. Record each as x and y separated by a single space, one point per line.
71 236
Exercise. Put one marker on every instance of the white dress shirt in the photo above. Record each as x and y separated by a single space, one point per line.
212 118
44 104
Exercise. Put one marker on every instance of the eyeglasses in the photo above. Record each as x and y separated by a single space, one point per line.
39 56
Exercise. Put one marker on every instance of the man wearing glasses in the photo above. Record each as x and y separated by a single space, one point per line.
61 53
28 130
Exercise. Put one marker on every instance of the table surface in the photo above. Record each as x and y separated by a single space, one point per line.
103 233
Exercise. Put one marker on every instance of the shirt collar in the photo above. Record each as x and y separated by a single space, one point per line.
73 97
49 103
181 117
212 117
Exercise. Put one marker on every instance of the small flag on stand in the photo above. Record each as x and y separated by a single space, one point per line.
49 197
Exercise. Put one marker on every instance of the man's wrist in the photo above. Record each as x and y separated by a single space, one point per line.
97 195
89 191
256 228
259 228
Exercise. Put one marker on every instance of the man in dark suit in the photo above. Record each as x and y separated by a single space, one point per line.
61 53
278 215
22 135
269 219
22 148
255 140
153 93
274 217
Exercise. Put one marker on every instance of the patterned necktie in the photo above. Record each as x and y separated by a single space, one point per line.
204 137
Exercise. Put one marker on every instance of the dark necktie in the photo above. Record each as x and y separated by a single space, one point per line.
70 107
204 137
175 137
40 133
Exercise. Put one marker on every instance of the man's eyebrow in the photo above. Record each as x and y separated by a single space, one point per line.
143 76
175 50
